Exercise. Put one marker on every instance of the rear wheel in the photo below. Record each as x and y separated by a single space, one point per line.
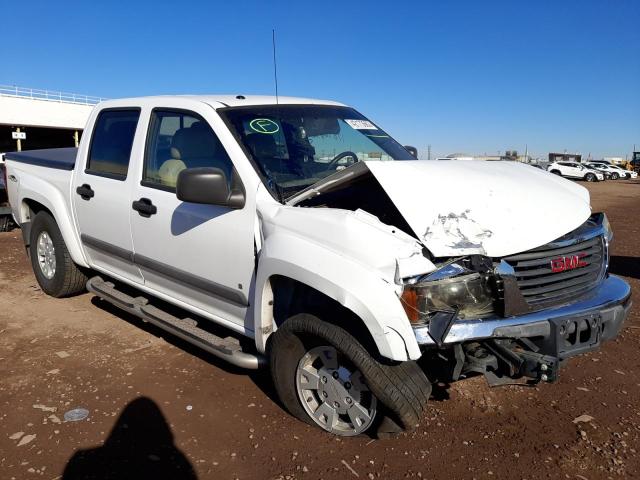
325 377
52 265
614 176
556 172
590 177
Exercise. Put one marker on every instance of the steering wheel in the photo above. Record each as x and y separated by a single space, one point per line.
342 155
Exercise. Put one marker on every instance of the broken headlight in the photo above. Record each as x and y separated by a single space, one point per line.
453 288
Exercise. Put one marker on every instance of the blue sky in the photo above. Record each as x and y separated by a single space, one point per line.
470 76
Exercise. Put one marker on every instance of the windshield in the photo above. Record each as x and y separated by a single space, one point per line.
294 146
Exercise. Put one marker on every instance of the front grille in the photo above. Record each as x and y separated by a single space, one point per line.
541 286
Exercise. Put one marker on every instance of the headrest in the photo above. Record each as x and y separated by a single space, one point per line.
197 141
262 145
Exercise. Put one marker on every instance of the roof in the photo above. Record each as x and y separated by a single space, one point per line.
220 101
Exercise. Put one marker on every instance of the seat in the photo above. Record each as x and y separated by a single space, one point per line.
192 147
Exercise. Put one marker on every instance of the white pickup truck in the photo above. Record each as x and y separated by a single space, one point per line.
299 235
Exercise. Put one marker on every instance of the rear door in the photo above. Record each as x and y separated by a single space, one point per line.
101 193
570 169
201 255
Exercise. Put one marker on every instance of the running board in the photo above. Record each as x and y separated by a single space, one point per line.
228 348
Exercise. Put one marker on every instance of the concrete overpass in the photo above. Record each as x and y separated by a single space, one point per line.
32 119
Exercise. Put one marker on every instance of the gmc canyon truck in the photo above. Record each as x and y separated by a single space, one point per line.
299 235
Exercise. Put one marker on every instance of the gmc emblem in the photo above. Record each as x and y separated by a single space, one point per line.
571 262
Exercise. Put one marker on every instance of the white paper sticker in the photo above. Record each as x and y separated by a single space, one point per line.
361 124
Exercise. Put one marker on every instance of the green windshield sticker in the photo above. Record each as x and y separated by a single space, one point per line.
378 136
264 125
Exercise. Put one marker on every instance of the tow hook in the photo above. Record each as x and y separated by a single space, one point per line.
507 362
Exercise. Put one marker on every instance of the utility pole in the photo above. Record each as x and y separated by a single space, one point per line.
429 152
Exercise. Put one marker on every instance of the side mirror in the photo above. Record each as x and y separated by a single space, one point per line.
412 150
209 186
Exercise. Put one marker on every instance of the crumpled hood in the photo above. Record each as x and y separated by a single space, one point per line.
477 207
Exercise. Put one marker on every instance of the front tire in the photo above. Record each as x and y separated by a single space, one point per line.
590 177
52 265
325 377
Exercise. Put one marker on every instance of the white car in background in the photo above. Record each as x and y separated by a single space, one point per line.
575 170
619 172
616 171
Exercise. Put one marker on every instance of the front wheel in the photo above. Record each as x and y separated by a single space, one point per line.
52 265
325 377
590 177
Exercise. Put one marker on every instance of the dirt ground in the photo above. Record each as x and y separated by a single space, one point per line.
159 408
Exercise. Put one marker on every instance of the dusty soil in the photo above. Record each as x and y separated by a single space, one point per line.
160 409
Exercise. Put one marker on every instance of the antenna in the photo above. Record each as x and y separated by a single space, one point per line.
275 65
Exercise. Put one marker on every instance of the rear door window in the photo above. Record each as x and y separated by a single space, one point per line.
111 143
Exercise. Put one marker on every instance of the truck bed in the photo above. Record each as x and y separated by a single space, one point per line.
59 158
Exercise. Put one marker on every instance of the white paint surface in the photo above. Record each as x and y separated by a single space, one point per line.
489 208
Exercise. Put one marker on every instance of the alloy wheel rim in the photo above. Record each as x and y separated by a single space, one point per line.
334 393
46 255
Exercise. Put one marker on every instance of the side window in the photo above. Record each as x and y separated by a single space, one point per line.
111 143
179 140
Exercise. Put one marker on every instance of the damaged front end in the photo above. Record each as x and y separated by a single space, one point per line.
521 316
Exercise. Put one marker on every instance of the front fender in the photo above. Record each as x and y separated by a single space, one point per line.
355 286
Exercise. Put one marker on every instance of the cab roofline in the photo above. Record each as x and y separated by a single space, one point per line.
222 101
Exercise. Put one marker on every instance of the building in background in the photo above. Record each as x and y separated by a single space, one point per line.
565 157
31 119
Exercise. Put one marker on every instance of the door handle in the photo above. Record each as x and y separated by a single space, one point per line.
144 207
85 191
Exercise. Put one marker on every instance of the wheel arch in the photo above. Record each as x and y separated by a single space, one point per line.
32 205
291 296
292 265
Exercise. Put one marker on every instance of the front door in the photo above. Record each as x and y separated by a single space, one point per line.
101 194
200 255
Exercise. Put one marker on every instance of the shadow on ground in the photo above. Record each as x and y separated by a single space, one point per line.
140 445
261 378
625 266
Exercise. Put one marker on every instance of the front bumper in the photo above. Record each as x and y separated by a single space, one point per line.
610 301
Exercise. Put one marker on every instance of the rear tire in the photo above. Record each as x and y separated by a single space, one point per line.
556 172
590 177
614 176
52 265
401 390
